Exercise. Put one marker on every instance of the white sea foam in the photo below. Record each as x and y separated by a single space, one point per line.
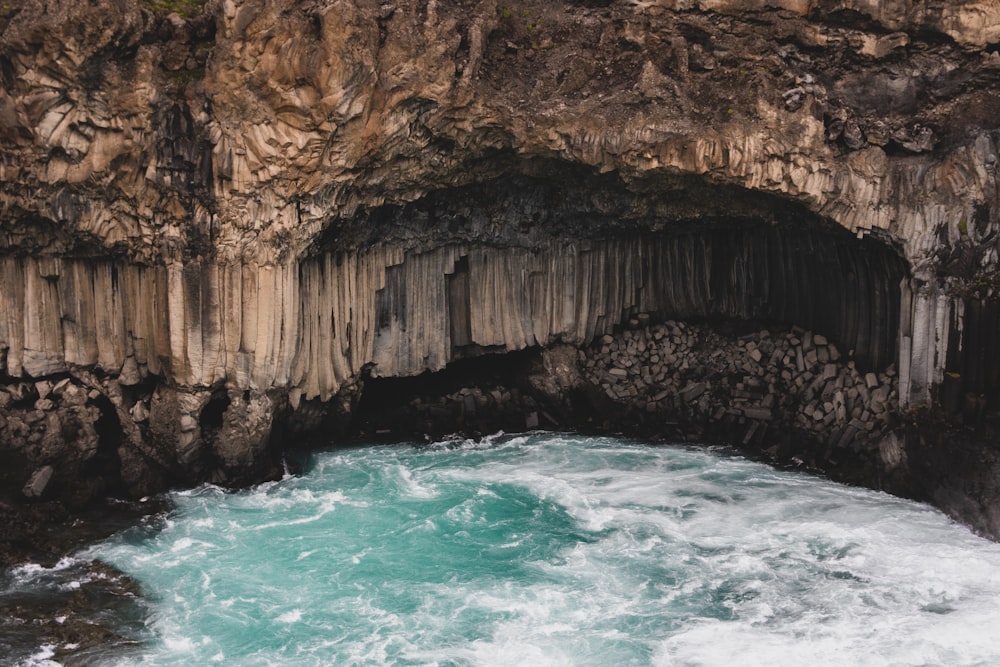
412 487
293 616
179 644
562 550
41 657
29 571
328 505
181 544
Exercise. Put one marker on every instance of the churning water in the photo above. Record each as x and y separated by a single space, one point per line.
558 550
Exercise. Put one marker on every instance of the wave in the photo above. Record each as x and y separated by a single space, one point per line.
559 549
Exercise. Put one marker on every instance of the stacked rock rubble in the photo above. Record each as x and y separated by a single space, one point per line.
794 381
54 421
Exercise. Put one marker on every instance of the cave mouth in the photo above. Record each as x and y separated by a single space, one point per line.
781 393
675 247
495 299
507 392
494 275
560 259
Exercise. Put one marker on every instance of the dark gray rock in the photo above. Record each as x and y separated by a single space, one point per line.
38 484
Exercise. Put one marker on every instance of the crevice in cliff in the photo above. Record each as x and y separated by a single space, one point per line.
7 77
211 417
847 18
106 464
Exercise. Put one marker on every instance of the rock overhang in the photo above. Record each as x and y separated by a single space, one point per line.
250 192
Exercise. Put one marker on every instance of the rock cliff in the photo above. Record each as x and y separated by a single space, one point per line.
219 220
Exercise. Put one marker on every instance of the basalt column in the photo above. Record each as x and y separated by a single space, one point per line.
312 328
461 300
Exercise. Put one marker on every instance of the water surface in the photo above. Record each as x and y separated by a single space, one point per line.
558 550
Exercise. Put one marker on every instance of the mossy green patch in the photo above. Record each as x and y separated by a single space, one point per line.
183 8
186 76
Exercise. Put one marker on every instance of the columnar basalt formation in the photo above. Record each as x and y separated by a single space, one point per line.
216 219
314 327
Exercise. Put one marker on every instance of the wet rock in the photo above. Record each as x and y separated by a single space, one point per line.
822 401
761 414
693 391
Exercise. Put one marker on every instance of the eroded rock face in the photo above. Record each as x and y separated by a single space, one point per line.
220 221
278 119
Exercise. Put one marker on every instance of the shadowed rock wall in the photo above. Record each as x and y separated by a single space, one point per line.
314 327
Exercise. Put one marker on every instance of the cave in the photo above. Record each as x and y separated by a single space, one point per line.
436 404
474 283
230 231
559 253
818 279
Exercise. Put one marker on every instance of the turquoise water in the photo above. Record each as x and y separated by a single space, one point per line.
558 550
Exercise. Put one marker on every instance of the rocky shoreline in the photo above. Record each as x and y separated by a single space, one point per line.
781 394
55 604
784 394
228 225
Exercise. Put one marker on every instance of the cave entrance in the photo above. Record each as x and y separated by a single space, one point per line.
461 301
554 253
551 252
